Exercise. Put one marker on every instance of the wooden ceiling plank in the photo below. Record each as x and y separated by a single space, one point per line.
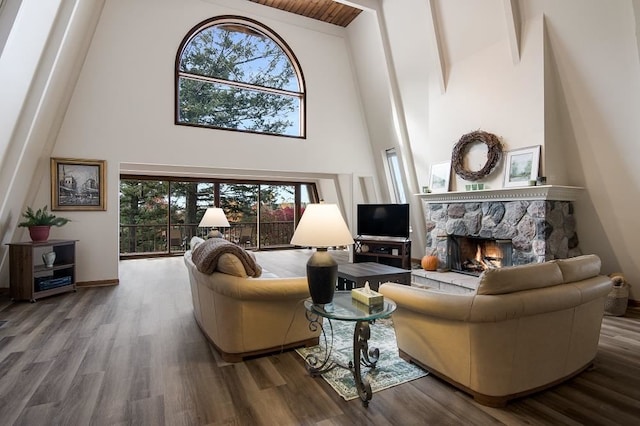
323 10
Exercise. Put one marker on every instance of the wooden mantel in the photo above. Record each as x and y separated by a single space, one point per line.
529 193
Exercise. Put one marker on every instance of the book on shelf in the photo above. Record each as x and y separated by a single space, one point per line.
47 283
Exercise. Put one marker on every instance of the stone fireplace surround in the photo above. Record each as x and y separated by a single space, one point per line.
539 221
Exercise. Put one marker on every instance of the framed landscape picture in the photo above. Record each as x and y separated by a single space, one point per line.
439 179
521 166
78 184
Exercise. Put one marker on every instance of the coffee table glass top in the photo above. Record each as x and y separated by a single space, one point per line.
344 308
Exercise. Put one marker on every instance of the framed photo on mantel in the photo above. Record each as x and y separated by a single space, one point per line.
78 184
521 166
440 175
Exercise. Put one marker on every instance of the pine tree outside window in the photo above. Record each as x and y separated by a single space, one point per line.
234 73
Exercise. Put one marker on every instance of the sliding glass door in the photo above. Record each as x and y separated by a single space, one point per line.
188 201
277 215
160 216
239 202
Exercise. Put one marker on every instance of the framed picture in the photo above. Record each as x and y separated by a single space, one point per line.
521 166
439 179
78 184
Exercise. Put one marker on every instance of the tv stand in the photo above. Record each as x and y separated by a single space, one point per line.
387 251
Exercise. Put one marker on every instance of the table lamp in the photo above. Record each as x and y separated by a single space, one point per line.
322 226
214 218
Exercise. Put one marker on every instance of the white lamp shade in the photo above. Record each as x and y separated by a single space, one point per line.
214 217
322 225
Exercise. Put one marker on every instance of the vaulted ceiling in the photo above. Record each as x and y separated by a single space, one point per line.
323 10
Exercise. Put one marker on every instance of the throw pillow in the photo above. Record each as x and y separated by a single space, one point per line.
230 264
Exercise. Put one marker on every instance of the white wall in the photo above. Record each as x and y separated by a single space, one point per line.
412 62
39 66
388 127
486 91
122 112
598 78
369 61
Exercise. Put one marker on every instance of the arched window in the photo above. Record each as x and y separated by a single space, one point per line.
234 73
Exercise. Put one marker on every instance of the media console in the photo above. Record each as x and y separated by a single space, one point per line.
387 251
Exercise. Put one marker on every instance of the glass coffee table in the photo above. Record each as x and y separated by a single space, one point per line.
343 308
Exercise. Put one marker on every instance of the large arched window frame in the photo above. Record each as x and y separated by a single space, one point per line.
246 88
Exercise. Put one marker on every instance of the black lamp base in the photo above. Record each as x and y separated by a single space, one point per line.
322 275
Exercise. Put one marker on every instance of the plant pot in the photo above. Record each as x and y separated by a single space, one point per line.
39 233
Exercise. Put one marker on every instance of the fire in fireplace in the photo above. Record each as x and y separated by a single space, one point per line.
470 255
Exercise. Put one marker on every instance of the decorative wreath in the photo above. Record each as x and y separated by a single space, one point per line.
494 153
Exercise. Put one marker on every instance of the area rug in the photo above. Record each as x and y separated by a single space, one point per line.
391 370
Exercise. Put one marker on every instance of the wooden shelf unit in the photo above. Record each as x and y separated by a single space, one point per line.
28 272
392 252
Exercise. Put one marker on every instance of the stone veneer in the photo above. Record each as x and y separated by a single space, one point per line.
539 230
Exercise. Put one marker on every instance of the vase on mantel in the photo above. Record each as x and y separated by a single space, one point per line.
48 258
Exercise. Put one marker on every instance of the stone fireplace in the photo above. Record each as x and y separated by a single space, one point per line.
527 225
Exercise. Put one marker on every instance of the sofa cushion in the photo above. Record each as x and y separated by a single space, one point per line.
517 278
579 268
230 264
207 258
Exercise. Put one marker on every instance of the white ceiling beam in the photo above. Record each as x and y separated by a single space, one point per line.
514 25
370 5
440 70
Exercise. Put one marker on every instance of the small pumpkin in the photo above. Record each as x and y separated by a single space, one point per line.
429 262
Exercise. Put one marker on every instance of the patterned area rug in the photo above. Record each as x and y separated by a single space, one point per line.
390 370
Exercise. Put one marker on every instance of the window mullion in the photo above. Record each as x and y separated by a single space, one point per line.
239 84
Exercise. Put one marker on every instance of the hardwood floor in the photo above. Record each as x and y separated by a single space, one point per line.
132 354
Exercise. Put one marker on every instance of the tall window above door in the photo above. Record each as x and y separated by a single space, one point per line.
234 73
395 175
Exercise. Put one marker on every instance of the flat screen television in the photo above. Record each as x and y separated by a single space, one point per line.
383 220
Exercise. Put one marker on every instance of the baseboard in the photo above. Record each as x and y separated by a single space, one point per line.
98 283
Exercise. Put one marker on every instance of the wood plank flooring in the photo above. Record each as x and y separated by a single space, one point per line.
133 354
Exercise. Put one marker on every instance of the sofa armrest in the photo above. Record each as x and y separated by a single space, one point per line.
429 302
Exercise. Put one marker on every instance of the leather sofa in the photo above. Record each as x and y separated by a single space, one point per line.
525 328
243 316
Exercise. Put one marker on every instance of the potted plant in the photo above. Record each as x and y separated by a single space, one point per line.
40 223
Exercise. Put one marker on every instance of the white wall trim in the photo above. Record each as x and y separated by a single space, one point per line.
529 193
440 70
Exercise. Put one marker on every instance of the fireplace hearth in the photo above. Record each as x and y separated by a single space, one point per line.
472 256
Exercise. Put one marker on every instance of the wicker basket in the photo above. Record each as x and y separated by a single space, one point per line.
618 297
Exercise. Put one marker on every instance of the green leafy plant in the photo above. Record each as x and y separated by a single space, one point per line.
42 217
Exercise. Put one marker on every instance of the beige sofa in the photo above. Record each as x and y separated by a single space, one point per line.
524 329
243 316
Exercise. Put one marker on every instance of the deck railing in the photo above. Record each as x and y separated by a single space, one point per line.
153 239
